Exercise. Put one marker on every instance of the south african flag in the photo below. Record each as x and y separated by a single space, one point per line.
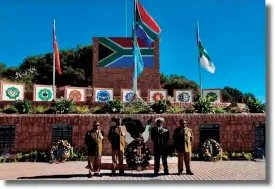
146 27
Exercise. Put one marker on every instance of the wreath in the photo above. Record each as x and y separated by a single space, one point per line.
60 152
211 150
137 155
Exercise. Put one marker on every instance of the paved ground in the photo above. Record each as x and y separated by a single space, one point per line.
222 170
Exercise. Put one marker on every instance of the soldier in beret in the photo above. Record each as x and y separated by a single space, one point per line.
94 140
183 137
116 136
160 137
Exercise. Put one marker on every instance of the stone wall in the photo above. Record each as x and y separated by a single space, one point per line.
35 131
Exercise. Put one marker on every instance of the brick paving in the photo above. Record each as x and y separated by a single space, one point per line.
221 170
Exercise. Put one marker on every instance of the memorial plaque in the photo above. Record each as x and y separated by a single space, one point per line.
259 133
62 132
209 131
7 138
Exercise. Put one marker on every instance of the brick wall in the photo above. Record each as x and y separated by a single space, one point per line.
35 131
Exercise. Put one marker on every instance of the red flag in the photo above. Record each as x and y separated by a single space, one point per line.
56 53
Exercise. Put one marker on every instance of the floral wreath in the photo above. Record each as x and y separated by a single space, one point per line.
64 147
137 155
211 150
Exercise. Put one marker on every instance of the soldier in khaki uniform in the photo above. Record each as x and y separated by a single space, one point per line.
183 137
116 137
94 141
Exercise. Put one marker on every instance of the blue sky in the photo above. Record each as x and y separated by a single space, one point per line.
232 31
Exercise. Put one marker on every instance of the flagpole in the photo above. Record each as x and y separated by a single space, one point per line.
53 60
126 12
199 58
135 62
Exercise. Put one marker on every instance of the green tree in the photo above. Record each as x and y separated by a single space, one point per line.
76 65
230 94
246 96
10 73
2 69
172 82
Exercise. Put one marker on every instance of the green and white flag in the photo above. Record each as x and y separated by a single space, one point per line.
204 58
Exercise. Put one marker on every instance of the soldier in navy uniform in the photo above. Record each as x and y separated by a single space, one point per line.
160 137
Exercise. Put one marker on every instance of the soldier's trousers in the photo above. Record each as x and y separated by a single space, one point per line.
184 156
117 157
157 162
94 163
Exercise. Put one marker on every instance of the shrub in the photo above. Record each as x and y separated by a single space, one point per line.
81 109
203 106
113 107
50 110
233 109
175 110
39 110
239 156
160 106
225 157
63 106
195 157
23 106
189 110
136 110
10 109
219 110
97 110
255 106
136 106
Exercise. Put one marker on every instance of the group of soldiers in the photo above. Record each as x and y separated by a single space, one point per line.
160 135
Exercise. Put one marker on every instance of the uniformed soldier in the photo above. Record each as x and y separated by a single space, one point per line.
94 140
116 137
160 137
183 137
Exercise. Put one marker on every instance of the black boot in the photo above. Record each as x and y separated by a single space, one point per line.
121 173
180 171
189 172
113 173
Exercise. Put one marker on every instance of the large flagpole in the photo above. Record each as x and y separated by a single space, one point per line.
135 61
198 40
126 12
53 59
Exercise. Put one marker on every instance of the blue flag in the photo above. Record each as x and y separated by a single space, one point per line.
138 62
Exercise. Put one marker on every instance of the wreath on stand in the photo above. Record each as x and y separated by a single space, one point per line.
60 152
211 150
137 155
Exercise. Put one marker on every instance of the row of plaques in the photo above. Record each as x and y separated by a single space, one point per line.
14 91
180 95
